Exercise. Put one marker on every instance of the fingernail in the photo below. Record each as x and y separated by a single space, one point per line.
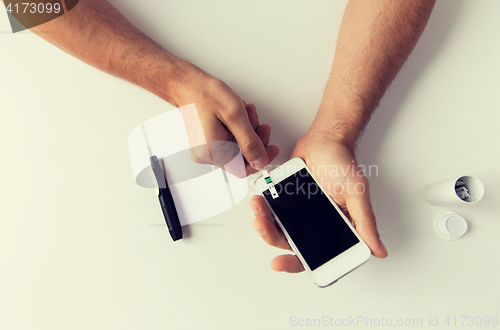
259 231
260 162
381 245
254 210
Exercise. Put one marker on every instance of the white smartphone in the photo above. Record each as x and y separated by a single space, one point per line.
319 233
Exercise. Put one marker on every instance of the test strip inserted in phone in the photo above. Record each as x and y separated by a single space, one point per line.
270 184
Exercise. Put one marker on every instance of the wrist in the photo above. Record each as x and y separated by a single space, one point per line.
342 114
338 126
178 81
332 136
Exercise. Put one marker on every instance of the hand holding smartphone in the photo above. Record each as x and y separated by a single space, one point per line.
319 233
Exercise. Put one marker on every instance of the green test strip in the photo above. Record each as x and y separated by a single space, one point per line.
270 184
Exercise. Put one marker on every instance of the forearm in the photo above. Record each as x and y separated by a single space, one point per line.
95 32
375 39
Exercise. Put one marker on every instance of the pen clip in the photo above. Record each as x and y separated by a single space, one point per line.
161 180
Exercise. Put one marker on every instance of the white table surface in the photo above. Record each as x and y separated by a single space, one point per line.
83 247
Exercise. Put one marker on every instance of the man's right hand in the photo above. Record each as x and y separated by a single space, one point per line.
224 116
95 32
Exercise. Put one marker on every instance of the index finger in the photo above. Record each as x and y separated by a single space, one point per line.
264 224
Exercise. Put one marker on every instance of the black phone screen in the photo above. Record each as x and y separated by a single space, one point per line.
312 222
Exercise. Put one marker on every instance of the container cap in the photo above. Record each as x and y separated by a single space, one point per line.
450 225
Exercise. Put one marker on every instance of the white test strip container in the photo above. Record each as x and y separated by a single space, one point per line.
443 193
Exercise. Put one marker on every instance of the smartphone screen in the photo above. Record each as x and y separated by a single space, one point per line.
312 222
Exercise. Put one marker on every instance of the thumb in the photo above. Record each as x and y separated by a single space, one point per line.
251 145
361 212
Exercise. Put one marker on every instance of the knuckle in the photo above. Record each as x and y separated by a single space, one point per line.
200 155
231 113
250 143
